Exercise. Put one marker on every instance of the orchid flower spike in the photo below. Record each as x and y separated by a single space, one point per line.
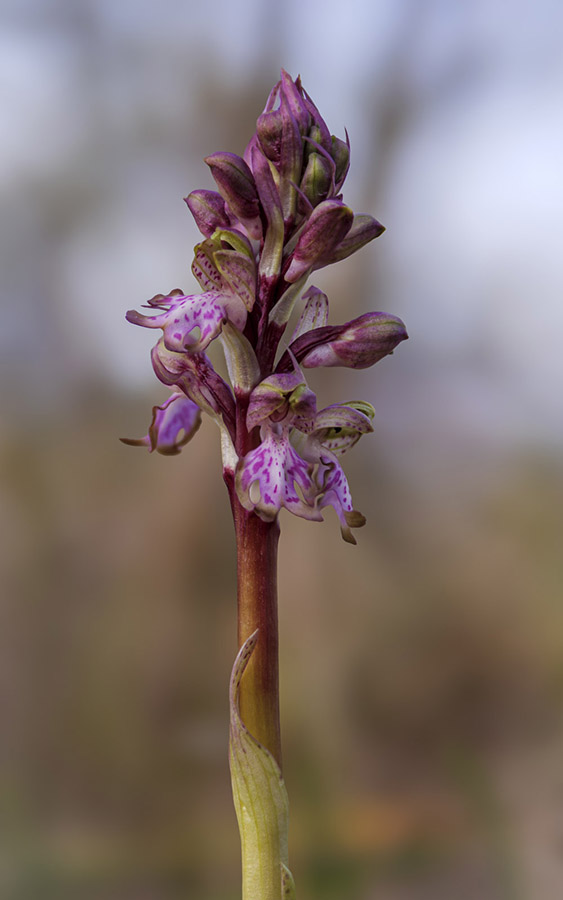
277 216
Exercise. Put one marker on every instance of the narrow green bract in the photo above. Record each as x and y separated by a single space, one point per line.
261 803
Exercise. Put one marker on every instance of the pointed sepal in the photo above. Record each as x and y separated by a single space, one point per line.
240 357
314 315
281 311
364 229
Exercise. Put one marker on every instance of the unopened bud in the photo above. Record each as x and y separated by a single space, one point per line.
314 136
280 139
327 226
293 93
269 130
358 345
237 187
317 178
208 210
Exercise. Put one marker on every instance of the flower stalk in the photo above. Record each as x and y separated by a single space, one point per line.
277 216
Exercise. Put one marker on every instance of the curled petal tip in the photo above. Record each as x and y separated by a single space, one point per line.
136 442
137 318
354 519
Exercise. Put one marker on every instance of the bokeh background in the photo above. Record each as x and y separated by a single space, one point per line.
422 671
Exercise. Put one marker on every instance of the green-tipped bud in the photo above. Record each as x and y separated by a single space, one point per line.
317 178
340 153
315 137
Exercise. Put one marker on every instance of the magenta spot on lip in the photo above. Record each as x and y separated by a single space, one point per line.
178 336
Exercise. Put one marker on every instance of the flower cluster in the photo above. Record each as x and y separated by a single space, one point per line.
277 216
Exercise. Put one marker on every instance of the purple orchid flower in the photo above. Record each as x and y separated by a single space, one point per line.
300 449
173 425
268 477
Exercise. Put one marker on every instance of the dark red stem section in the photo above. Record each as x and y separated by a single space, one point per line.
257 597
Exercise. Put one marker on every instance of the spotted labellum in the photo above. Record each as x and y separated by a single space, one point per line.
277 216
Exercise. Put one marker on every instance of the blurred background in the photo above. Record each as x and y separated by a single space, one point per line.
422 671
